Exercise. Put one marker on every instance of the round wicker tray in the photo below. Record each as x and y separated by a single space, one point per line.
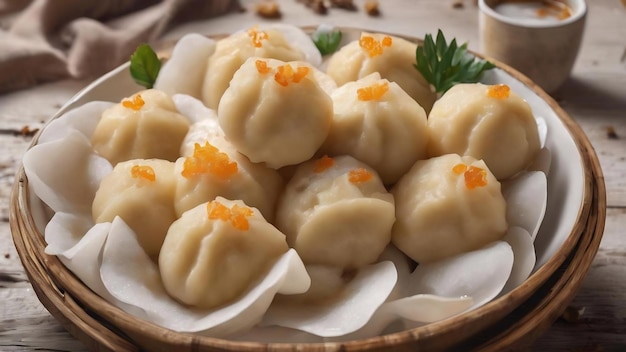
512 321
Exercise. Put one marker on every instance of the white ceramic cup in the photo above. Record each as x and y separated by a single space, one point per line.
544 49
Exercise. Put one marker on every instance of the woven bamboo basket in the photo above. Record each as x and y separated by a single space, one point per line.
512 321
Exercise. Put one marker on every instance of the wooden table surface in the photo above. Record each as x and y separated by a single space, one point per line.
594 96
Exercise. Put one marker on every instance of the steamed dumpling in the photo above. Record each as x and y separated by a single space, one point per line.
376 122
145 125
141 192
205 130
214 169
216 251
392 57
275 112
487 122
233 51
446 206
336 212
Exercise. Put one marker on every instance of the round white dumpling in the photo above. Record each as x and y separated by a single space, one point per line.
275 112
141 192
446 206
231 52
336 212
487 122
145 125
392 57
214 169
378 123
217 251
205 130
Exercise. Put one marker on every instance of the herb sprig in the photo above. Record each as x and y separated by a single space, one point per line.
145 66
327 42
444 65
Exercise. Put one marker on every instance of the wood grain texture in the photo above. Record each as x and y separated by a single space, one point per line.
595 96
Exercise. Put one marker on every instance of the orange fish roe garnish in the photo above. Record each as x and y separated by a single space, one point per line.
216 210
359 175
300 74
285 74
238 216
387 41
475 177
143 172
208 159
257 37
136 103
459 168
324 163
373 92
499 91
372 46
261 66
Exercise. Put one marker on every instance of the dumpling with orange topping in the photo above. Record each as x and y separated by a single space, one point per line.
392 57
216 251
446 206
336 212
141 192
275 112
143 126
491 123
216 168
233 51
378 123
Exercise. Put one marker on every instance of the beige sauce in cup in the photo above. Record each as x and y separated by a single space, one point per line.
548 11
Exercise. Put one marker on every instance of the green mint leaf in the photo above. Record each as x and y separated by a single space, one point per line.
443 65
144 66
327 42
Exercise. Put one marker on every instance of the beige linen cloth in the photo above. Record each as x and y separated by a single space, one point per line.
45 40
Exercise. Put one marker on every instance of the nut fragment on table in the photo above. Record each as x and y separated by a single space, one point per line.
457 4
371 8
344 4
611 133
318 6
268 9
573 314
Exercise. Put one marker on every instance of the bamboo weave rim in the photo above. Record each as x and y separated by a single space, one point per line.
104 327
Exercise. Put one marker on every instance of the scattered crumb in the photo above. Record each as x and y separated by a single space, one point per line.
344 4
318 6
611 133
268 9
27 132
7 256
458 4
371 8
573 314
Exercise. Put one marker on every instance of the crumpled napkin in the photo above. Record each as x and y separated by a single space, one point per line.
45 40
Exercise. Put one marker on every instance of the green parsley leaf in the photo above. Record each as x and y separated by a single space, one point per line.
443 65
327 42
144 66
